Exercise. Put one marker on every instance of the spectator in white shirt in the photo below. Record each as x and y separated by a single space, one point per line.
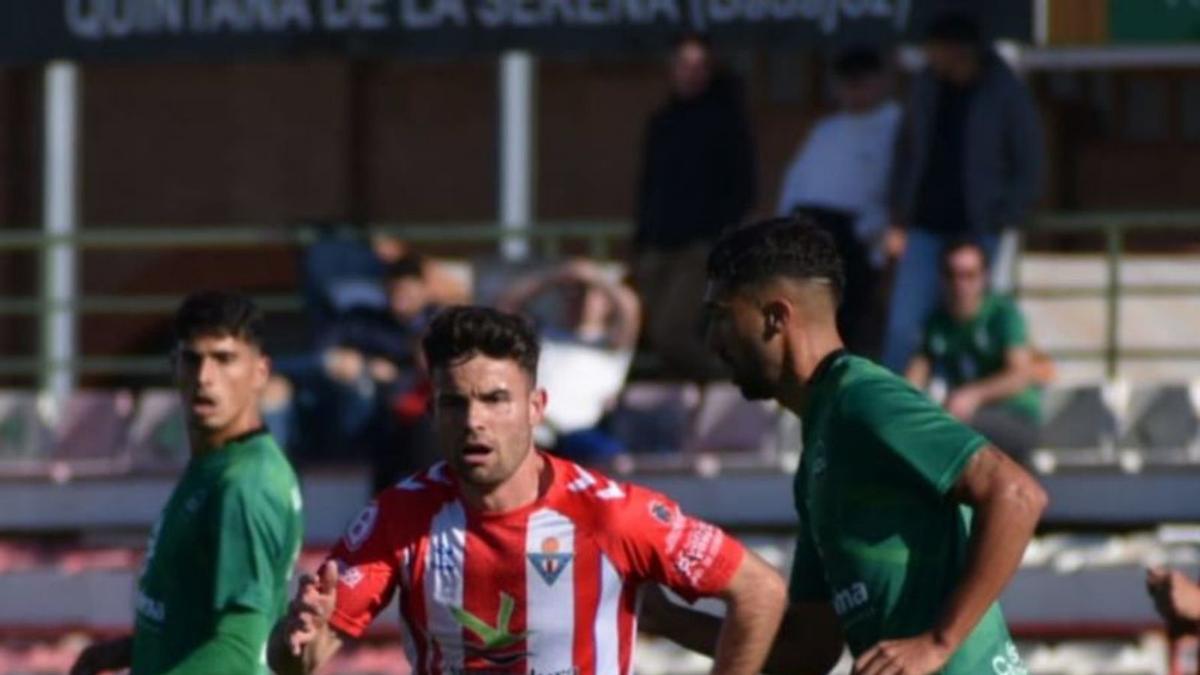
586 351
839 177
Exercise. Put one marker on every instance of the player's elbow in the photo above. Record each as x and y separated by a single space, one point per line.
758 586
1025 498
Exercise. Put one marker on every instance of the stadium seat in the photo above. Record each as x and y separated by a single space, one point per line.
24 435
158 435
1081 425
726 423
93 425
653 417
1164 423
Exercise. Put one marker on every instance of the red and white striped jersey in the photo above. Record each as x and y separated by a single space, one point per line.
547 589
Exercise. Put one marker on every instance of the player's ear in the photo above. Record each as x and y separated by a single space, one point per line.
537 405
775 317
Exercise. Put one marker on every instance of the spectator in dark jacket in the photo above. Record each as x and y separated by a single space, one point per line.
968 163
697 177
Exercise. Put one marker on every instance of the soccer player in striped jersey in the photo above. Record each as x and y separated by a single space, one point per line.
509 560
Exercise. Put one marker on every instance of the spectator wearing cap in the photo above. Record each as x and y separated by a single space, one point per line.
968 163
839 177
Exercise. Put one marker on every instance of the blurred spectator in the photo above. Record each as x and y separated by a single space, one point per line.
968 162
839 178
366 394
977 353
585 355
697 177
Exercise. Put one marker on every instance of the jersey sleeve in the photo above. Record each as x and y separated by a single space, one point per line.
367 567
913 429
253 546
658 542
1012 328
807 582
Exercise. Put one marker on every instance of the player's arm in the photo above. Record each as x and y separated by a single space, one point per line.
349 591
1176 597
304 640
1014 378
754 602
809 640
116 654
234 647
1007 502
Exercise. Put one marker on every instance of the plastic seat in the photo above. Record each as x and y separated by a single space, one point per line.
93 425
654 417
158 433
727 423
24 435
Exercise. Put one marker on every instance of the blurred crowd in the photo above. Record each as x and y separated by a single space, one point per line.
918 193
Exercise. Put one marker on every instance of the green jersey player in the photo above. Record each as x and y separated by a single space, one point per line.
220 557
911 524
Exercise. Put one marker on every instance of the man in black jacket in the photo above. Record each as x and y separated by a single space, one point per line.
697 177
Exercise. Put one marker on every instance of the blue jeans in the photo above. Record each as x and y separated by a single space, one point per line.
916 292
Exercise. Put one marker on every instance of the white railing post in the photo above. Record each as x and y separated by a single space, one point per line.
518 149
60 216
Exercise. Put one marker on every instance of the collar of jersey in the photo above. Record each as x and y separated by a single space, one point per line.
543 499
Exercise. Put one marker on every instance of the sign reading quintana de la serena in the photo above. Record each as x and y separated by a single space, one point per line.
167 30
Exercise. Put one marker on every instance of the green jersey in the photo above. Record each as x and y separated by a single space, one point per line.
962 352
227 539
879 537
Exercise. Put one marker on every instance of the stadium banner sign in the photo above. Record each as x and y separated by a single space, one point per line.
229 30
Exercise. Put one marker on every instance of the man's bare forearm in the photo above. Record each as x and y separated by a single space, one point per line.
1006 516
754 606
809 641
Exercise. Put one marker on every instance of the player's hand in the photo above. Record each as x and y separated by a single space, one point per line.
1176 597
309 615
963 402
103 656
895 240
920 655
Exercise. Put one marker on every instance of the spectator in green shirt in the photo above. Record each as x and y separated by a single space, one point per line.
976 354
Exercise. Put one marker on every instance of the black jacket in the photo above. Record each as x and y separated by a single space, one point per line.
698 169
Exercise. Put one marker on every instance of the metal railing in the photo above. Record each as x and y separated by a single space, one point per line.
1115 227
600 239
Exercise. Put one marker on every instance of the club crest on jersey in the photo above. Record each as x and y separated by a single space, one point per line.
551 561
661 512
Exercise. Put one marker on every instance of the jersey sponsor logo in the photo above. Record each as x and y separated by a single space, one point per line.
699 551
850 598
551 562
496 644
1009 663
661 512
155 610
362 527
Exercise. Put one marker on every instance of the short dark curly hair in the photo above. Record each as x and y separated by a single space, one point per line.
219 313
793 246
458 333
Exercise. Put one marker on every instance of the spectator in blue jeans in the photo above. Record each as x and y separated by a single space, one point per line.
968 164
